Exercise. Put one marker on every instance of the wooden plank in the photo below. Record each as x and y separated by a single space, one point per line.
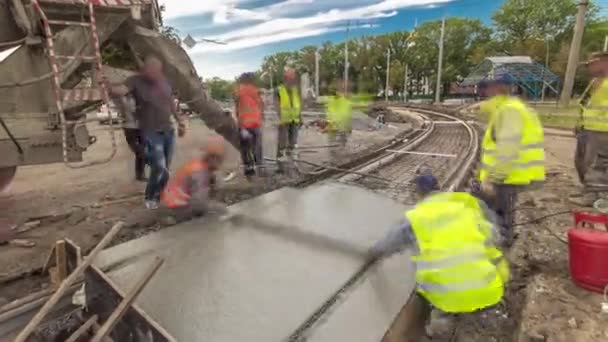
83 329
103 296
408 326
61 261
96 328
65 285
122 308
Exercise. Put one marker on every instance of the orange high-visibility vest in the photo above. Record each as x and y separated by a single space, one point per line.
176 193
250 103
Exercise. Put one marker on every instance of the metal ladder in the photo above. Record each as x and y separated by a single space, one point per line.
77 94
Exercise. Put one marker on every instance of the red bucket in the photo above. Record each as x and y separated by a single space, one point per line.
588 251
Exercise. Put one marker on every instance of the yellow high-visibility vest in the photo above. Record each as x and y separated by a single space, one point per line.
528 166
291 105
340 114
458 268
595 113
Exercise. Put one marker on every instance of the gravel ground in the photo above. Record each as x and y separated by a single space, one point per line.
541 303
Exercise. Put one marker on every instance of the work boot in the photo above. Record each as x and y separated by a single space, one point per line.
439 324
586 200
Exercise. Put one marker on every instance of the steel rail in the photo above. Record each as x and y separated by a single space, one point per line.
412 310
374 161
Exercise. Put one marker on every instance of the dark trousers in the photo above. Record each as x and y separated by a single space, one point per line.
504 206
136 144
287 139
591 160
159 151
251 150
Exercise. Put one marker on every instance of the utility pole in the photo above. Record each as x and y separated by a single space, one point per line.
542 96
271 80
575 50
606 44
405 82
440 64
346 59
317 93
388 73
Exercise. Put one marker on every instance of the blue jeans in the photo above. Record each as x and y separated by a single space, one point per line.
159 151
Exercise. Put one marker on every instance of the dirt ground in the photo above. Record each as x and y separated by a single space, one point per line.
83 204
542 303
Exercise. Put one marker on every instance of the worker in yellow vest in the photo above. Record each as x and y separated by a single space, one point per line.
339 119
289 109
593 166
454 239
513 155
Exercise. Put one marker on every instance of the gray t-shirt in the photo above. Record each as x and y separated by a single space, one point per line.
153 103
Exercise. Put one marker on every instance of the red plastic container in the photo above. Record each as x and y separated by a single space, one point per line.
588 248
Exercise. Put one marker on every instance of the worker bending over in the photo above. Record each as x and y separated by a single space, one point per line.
249 114
593 166
459 269
187 194
339 119
290 114
513 155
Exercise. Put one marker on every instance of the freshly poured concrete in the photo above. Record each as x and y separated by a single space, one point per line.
371 307
244 282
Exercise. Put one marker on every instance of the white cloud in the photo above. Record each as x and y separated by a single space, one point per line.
180 8
226 71
283 28
246 28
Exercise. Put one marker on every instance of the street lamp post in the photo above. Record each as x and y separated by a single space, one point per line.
346 59
440 64
405 82
542 95
317 56
388 73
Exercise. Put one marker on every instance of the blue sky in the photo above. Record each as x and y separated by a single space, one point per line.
255 28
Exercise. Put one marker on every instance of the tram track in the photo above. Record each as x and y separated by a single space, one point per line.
440 134
449 136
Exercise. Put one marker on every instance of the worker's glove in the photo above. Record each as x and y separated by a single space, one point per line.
375 253
181 129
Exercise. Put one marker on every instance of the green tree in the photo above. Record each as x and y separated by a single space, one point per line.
220 89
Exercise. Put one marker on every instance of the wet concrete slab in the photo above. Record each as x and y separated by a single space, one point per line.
369 309
233 281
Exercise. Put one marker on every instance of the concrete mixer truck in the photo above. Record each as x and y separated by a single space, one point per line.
52 72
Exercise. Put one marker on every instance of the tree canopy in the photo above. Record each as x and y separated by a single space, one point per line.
520 27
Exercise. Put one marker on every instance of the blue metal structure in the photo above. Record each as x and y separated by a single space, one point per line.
530 76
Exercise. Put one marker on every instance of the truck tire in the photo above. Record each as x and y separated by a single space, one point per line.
6 176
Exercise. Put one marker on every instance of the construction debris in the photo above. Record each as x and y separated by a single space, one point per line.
378 109
66 284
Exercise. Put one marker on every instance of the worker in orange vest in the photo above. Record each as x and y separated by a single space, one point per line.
248 111
187 193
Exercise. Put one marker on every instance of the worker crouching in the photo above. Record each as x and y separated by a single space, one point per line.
339 120
459 269
513 155
249 114
187 194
